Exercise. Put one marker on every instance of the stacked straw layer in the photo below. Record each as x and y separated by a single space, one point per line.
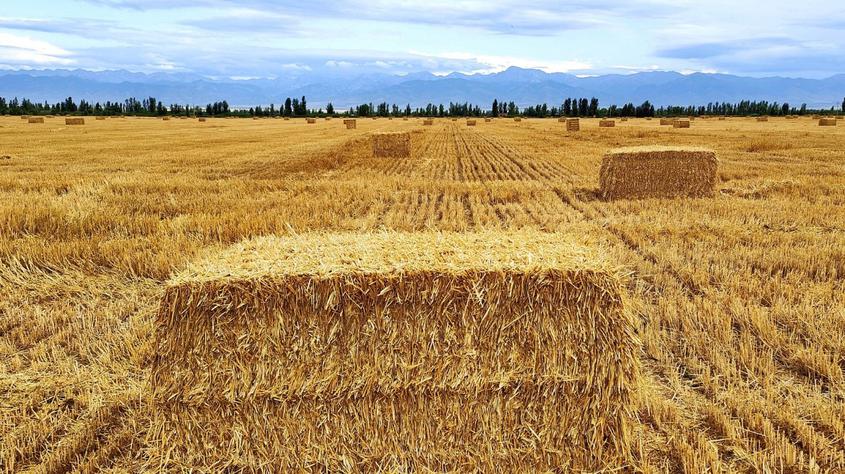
391 145
350 124
392 351
658 172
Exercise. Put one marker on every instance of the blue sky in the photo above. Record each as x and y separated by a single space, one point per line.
266 38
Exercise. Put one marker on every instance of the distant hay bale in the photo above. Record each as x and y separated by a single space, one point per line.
817 117
722 118
762 119
404 119
607 123
691 119
517 119
470 123
395 352
681 124
311 120
573 125
328 119
454 119
99 118
36 120
287 118
667 121
202 119
487 120
74 121
624 119
24 117
649 119
428 122
165 118
827 122
562 119
391 145
658 172
350 124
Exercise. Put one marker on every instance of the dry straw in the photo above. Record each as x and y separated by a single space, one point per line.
562 119
681 124
827 122
607 123
350 124
24 117
35 120
722 118
391 145
74 121
658 171
395 352
470 123
573 125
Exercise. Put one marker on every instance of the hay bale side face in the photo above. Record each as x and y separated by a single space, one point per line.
100 118
311 120
667 122
517 119
74 121
392 145
470 123
201 119
428 122
607 123
350 124
573 125
35 120
658 172
394 350
827 122
681 124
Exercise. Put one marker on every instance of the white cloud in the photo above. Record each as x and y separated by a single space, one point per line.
489 64
23 49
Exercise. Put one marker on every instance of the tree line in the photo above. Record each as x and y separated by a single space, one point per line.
298 107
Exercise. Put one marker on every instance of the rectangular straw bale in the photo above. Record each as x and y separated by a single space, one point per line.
722 118
74 121
624 119
562 119
395 352
36 120
827 122
839 117
311 120
573 125
428 122
659 172
762 119
667 121
681 124
470 123
487 120
100 118
607 123
202 119
350 124
287 118
24 117
517 119
391 145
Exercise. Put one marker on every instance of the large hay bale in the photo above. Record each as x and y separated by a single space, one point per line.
607 123
573 125
681 124
74 121
35 120
391 145
350 124
428 122
827 122
667 121
395 352
658 171
311 120
470 123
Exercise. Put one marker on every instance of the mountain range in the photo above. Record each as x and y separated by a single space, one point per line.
523 86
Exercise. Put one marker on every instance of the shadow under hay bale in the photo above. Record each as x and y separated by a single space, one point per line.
397 352
658 172
391 145
74 121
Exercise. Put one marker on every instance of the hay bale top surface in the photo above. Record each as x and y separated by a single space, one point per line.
633 151
395 253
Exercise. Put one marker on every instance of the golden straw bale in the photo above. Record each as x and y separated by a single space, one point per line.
827 122
202 119
391 145
311 120
517 119
658 171
488 120
681 123
74 121
24 117
722 118
624 119
839 117
562 119
350 124
470 123
573 125
100 117
607 123
443 352
428 122
35 120
667 121
762 119
287 118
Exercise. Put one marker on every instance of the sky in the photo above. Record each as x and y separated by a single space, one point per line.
268 39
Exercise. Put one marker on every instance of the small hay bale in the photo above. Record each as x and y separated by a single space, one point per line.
165 118
624 119
36 120
517 119
681 123
404 119
100 117
573 125
762 119
375 352
391 145
287 118
74 121
827 122
428 122
667 121
311 120
351 124
24 117
488 120
202 119
607 123
658 172
328 119
722 118
470 123
454 119
562 119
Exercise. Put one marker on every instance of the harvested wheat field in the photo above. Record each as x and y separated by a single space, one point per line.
117 236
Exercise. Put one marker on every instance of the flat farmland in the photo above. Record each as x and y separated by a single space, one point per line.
739 299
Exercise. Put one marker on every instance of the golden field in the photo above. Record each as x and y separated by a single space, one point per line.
739 299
